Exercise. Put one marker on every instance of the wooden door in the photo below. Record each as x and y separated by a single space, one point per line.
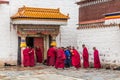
39 41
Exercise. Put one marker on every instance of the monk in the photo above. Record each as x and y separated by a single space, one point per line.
97 64
75 58
60 58
32 57
51 56
85 57
38 55
26 58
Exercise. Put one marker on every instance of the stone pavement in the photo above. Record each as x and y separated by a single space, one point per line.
49 73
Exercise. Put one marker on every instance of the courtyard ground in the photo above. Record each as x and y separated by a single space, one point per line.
43 72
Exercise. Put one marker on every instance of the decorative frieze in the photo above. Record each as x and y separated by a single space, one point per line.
86 26
38 29
93 2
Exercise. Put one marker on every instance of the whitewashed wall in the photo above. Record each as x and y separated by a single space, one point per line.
106 40
4 33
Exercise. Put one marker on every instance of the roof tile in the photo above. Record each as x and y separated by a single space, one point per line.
39 13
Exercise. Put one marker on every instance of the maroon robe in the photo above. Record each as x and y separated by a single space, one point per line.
32 57
96 59
51 55
60 58
38 55
85 58
26 58
76 59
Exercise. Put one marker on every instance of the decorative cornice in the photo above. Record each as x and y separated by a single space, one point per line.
92 21
92 2
88 26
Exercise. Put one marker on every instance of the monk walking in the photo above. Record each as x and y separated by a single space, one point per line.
97 64
51 55
60 58
32 57
85 57
38 55
26 58
75 58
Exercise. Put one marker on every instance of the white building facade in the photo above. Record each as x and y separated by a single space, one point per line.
99 27
9 36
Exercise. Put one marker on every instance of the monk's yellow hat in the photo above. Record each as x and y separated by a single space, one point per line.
53 43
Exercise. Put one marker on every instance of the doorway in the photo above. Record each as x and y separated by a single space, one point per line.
30 41
39 41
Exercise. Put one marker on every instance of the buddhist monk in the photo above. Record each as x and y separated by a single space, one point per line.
32 57
75 58
60 58
97 64
85 57
38 55
51 55
26 58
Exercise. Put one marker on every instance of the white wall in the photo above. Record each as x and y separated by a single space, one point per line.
4 33
107 41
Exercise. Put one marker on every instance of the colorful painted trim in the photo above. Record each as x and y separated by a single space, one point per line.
97 26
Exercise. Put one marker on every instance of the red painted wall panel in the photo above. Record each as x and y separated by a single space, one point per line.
96 11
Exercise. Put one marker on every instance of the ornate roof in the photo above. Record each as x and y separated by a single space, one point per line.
39 13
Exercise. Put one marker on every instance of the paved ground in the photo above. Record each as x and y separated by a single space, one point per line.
49 73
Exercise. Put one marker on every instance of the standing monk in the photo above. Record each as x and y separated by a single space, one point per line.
38 54
85 57
75 58
60 58
51 55
97 64
32 57
26 58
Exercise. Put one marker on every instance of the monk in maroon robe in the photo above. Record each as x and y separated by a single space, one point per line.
26 58
75 58
60 58
97 64
51 56
38 54
85 57
32 57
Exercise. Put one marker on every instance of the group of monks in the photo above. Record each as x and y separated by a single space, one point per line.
97 63
63 57
60 57
31 56
67 57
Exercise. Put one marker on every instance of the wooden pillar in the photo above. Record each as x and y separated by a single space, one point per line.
23 46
